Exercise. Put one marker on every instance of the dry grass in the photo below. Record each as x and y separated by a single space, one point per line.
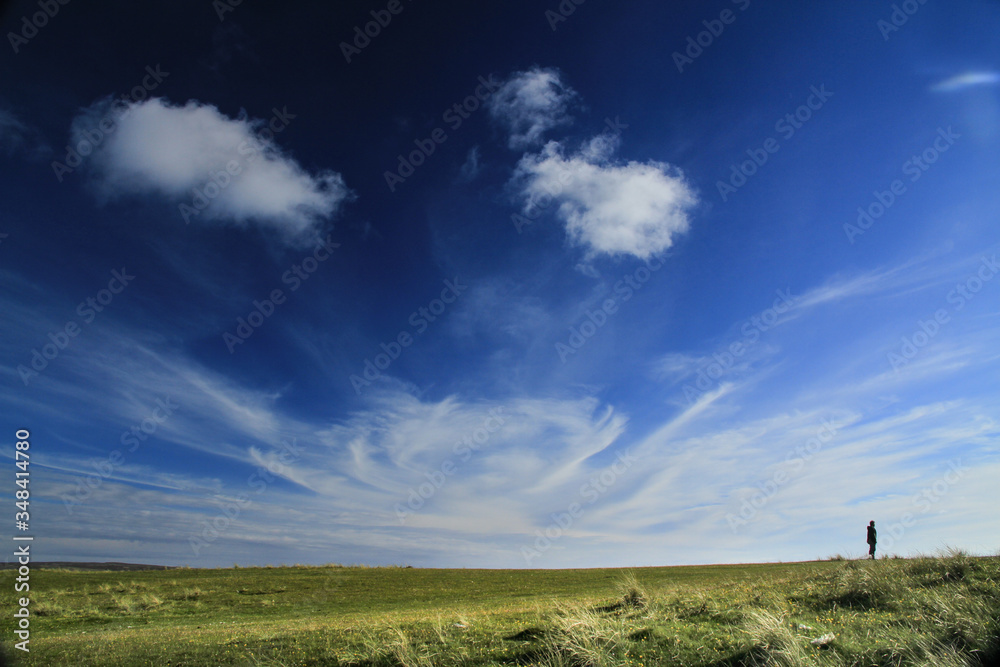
885 613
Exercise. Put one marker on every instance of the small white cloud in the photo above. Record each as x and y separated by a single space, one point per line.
182 153
631 208
530 103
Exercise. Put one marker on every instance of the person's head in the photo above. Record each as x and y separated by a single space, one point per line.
871 523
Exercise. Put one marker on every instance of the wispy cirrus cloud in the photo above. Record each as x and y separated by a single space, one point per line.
11 131
529 104
693 468
16 136
965 80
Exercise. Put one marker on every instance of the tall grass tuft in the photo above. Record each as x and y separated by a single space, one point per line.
867 585
774 643
961 620
188 594
49 608
584 638
634 595
929 652
408 653
955 566
394 647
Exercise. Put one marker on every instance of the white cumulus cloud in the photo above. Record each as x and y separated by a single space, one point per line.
215 168
530 103
629 208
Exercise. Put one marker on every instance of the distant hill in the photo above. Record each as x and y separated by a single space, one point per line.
114 567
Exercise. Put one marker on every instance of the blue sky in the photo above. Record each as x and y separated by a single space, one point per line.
633 284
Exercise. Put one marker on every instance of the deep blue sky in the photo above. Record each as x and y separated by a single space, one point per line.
642 355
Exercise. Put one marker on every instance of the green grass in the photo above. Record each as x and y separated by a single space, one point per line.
927 611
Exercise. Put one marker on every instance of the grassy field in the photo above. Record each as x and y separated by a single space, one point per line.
927 611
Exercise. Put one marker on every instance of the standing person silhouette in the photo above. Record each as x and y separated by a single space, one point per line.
871 540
